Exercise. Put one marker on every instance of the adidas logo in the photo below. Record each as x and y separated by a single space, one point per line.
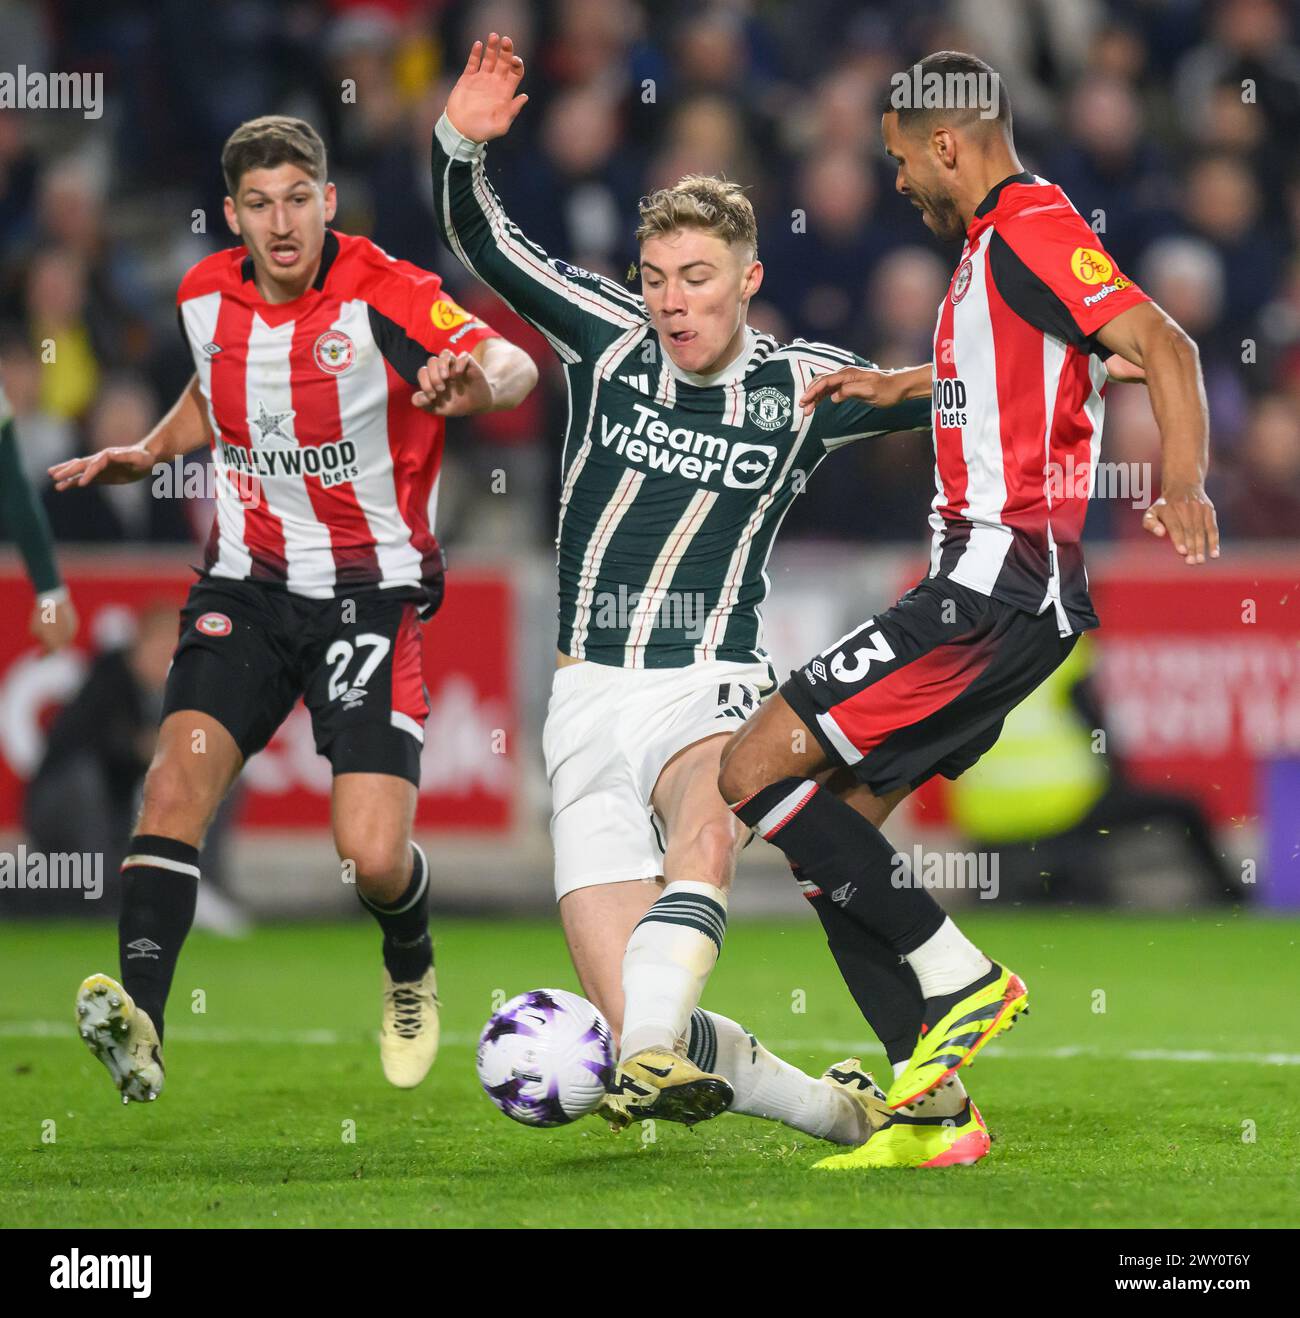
736 700
145 947
842 894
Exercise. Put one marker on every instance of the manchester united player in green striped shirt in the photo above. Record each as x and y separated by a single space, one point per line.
683 450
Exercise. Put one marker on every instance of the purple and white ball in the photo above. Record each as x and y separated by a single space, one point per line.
546 1058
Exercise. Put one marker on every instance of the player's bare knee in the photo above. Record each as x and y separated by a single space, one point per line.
739 773
382 869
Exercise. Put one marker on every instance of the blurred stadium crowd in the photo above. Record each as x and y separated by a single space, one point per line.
1135 107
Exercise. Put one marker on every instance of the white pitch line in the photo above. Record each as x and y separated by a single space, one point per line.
1068 1051
332 1038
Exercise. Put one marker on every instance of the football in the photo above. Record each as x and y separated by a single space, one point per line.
546 1058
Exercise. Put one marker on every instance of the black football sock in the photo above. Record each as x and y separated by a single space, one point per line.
883 985
408 948
160 885
847 857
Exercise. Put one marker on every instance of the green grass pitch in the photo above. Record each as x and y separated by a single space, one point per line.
1173 1106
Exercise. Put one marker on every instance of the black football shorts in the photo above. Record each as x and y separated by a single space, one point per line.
923 687
248 651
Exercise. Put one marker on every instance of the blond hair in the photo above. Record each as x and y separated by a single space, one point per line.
700 201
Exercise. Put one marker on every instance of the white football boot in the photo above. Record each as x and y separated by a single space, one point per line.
122 1036
408 1037
867 1097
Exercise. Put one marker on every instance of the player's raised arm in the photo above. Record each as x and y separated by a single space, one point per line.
181 431
579 312
1145 335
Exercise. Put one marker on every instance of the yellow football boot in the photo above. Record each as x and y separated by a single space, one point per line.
960 1033
918 1142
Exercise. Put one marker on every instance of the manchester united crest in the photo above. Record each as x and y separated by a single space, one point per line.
334 352
768 408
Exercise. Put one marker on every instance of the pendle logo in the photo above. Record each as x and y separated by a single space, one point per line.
103 1272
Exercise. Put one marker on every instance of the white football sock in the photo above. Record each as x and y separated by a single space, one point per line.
668 960
946 1101
772 1089
947 961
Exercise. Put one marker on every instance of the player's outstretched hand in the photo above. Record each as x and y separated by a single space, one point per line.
53 624
880 388
483 103
1185 514
452 384
110 466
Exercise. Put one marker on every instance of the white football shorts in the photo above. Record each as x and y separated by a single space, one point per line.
609 732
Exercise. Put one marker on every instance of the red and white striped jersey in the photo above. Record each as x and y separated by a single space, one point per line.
1018 400
327 476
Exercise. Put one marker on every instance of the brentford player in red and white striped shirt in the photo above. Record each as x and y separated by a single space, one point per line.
327 477
1037 314
325 370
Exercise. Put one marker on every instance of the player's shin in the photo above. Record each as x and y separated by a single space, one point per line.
767 1087
888 994
668 960
882 983
160 880
845 855
408 947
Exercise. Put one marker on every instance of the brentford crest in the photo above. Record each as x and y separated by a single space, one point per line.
334 352
961 283
214 624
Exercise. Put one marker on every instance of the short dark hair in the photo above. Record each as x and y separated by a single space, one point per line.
951 71
273 139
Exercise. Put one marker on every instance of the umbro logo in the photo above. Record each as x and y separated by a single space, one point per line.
212 349
143 947
819 669
842 894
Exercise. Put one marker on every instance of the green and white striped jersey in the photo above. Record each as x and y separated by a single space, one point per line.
674 484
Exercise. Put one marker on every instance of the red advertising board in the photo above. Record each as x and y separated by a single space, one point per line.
469 769
1200 671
